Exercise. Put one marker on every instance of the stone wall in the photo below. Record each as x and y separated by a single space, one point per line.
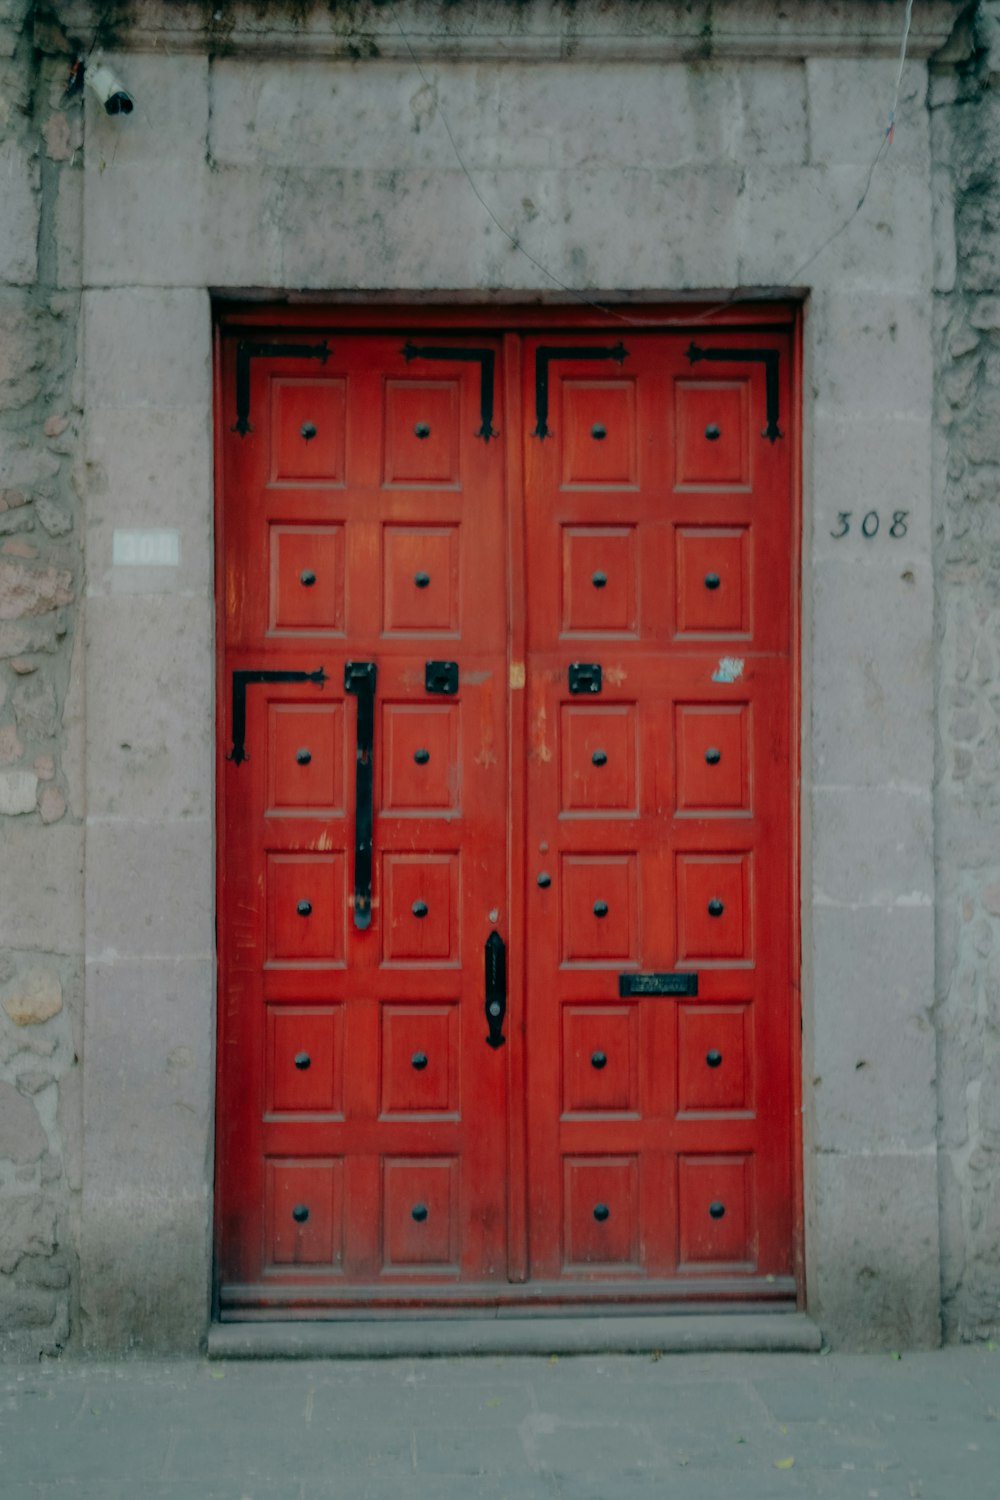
966 143
41 707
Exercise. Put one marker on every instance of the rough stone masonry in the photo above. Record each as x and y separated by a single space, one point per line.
45 477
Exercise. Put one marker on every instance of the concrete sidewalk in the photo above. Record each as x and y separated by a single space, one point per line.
610 1427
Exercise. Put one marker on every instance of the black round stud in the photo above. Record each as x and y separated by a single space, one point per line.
304 908
599 431
714 1058
302 1061
600 757
598 1060
715 907
712 580
421 580
308 430
712 432
599 579
717 1210
419 908
713 756
419 1212
300 1213
419 1061
544 879
601 1212
423 429
307 578
303 756
421 756
600 908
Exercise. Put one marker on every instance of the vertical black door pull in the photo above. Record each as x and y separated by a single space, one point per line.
359 678
496 988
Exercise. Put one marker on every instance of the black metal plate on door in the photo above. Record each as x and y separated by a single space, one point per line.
585 677
657 984
441 676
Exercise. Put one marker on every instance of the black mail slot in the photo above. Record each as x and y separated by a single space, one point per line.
657 984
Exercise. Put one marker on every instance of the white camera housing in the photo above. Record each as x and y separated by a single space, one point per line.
108 88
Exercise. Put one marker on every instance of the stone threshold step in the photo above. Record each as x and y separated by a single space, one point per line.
681 1333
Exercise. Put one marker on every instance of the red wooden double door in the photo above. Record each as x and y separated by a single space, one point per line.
507 811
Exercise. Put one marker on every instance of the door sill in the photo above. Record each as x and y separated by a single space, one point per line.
766 1331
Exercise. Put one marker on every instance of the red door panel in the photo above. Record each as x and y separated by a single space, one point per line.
624 508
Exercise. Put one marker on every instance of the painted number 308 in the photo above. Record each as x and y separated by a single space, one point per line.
870 524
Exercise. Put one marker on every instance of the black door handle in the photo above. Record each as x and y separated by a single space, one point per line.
359 678
496 988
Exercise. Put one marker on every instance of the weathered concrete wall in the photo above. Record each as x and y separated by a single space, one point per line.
966 133
41 704
636 150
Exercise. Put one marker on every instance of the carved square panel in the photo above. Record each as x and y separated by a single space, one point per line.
420 904
598 433
713 433
713 580
307 591
421 759
304 1212
599 581
713 757
597 759
305 908
305 758
713 1057
420 580
600 908
421 441
420 1206
305 1059
601 1211
419 1074
600 1059
716 1211
713 907
308 430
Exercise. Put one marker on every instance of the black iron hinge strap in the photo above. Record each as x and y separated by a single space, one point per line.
545 354
769 358
485 358
246 350
241 681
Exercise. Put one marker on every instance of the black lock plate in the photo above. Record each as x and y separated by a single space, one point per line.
585 677
657 984
441 676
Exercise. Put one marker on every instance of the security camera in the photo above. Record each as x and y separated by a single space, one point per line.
108 89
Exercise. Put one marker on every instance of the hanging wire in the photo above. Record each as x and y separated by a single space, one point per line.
722 306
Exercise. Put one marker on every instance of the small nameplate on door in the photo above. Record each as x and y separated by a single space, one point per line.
657 984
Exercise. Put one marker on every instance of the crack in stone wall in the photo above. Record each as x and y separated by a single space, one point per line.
40 710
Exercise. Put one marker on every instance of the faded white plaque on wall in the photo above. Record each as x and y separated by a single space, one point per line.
146 548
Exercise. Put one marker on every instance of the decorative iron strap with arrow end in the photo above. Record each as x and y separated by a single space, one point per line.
769 359
246 350
241 681
485 358
544 356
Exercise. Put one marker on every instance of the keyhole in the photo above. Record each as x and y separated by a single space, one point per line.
308 431
307 578
600 908
599 431
302 1061
303 756
712 580
423 430
712 432
713 756
599 579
